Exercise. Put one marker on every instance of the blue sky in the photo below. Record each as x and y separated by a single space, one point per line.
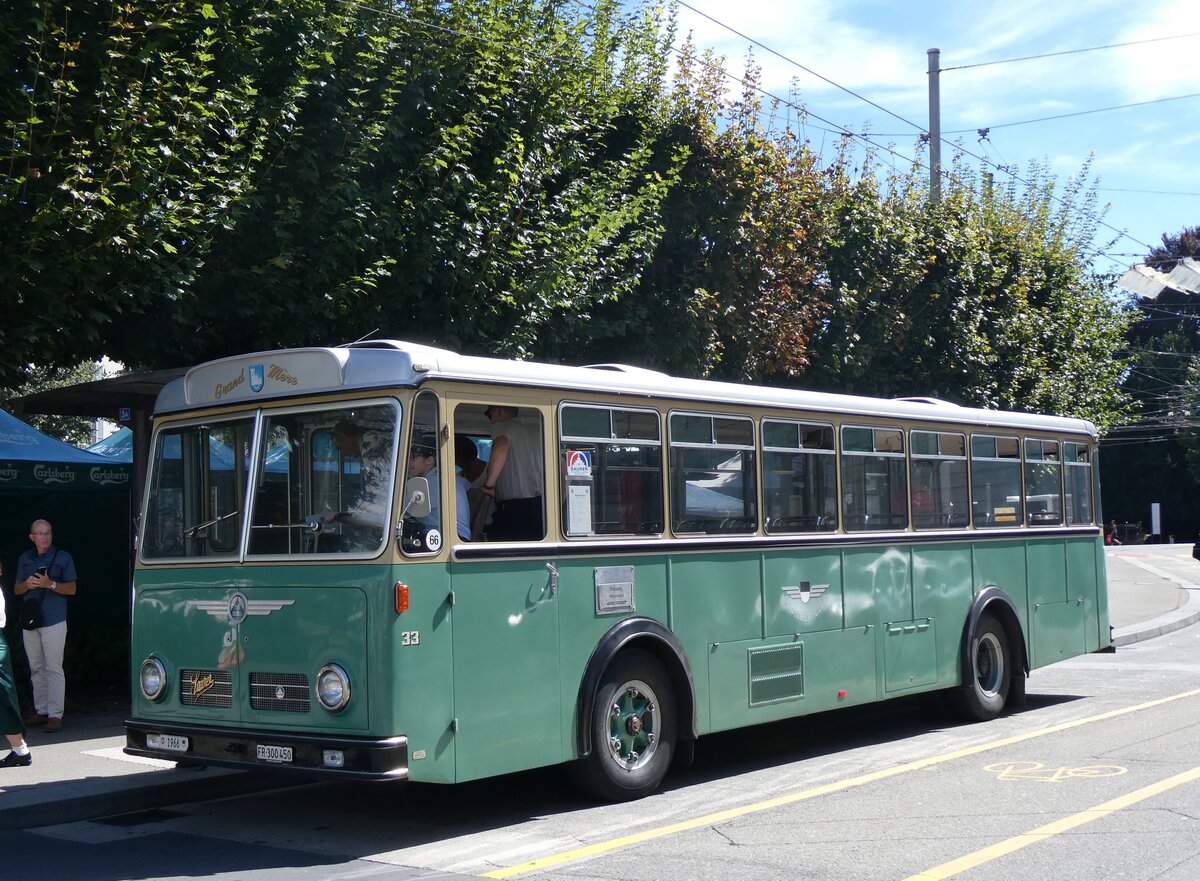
1147 158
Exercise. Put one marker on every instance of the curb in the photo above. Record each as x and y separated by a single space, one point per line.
1184 615
1157 627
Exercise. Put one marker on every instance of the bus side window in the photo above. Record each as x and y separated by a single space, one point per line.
1079 507
939 479
874 487
799 476
611 468
996 499
423 458
1043 482
713 474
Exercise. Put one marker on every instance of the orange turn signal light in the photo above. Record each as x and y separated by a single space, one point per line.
401 597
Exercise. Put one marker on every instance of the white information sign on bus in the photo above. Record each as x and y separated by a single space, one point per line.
579 509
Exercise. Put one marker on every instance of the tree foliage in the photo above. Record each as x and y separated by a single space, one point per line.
180 181
984 298
215 177
733 288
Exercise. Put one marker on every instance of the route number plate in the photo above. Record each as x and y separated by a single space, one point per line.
172 742
267 753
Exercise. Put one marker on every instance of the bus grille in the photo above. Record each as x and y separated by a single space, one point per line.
776 674
206 688
281 692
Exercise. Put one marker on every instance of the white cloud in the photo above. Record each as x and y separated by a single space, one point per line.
1166 68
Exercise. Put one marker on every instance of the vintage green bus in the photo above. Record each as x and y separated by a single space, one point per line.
694 557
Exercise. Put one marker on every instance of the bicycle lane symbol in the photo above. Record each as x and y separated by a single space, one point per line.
1038 772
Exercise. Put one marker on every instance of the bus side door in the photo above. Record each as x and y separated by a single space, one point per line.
507 703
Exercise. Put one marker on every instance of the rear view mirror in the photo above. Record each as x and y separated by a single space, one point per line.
416 498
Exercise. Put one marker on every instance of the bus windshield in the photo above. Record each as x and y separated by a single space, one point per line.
321 483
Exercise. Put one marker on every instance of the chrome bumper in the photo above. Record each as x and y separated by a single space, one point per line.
364 758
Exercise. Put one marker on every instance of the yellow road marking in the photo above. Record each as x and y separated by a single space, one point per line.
1040 773
612 844
1002 848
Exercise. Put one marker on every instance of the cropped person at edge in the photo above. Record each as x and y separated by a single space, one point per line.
10 708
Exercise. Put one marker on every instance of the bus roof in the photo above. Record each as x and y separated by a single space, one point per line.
379 364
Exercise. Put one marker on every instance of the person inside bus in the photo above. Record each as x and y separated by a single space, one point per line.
514 477
368 512
422 462
474 469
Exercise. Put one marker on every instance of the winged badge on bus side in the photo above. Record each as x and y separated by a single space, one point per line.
804 591
239 608
802 600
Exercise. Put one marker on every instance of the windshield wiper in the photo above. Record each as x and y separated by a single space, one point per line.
193 531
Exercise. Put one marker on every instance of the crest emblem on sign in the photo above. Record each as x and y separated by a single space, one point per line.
237 608
256 377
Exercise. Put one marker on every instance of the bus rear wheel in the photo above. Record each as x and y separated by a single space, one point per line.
985 689
633 730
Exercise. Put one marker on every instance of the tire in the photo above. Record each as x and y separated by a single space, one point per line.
633 730
985 687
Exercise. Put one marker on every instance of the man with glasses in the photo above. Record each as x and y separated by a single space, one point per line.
45 578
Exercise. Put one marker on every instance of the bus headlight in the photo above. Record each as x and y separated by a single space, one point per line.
153 679
333 687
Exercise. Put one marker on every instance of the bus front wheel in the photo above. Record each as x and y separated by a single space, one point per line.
633 730
985 687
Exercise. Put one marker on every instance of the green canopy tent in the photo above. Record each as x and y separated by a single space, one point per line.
86 498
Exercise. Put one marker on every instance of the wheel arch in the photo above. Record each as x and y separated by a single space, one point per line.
650 636
994 600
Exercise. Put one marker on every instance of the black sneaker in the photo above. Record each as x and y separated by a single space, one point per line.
12 760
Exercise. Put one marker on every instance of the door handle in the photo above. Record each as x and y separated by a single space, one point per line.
553 579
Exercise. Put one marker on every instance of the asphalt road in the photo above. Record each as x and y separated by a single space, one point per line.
894 791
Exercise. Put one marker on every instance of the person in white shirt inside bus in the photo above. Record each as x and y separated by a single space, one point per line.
514 477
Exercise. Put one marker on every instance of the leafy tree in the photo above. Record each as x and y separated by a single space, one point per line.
733 288
184 181
984 298
223 176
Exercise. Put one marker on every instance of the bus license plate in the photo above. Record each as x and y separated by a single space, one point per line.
267 753
172 742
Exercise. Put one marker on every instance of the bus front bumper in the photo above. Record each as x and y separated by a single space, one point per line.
324 755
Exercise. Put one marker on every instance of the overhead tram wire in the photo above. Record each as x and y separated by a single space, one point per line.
1004 169
1073 51
1147 192
804 111
963 131
920 128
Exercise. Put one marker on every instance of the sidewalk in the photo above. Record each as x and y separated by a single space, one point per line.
81 773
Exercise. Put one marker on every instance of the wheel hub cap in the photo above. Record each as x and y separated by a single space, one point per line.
632 726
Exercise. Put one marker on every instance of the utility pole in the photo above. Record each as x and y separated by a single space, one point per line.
935 127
